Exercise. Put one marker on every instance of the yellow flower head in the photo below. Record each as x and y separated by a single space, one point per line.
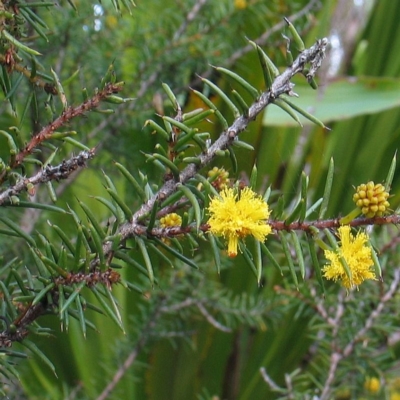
220 178
172 219
372 384
356 255
240 4
372 198
235 216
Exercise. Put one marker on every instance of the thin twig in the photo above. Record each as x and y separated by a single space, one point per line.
139 229
49 173
269 380
191 16
337 355
211 320
69 113
140 344
374 314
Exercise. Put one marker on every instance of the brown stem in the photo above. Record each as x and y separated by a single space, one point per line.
68 114
281 85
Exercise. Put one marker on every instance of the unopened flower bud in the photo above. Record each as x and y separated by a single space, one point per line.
169 220
219 178
372 199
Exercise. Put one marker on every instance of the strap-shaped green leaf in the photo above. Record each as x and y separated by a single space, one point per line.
35 350
13 148
165 162
258 260
92 218
159 129
253 177
210 104
124 207
52 267
296 37
209 189
248 258
193 200
60 89
130 261
377 264
289 259
81 316
111 207
315 262
63 316
156 250
43 293
313 207
285 107
21 233
176 253
304 113
108 310
242 82
390 175
172 97
233 159
192 118
299 253
327 190
71 298
60 232
18 44
36 22
304 192
98 243
296 213
271 258
223 96
241 103
184 138
22 285
242 145
146 259
8 300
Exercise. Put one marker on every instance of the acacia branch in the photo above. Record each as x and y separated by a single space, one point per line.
138 229
18 329
49 173
281 85
71 112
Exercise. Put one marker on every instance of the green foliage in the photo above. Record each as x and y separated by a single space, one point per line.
103 293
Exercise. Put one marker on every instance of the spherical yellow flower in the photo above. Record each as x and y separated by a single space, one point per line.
235 216
172 219
372 384
355 254
372 198
240 4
